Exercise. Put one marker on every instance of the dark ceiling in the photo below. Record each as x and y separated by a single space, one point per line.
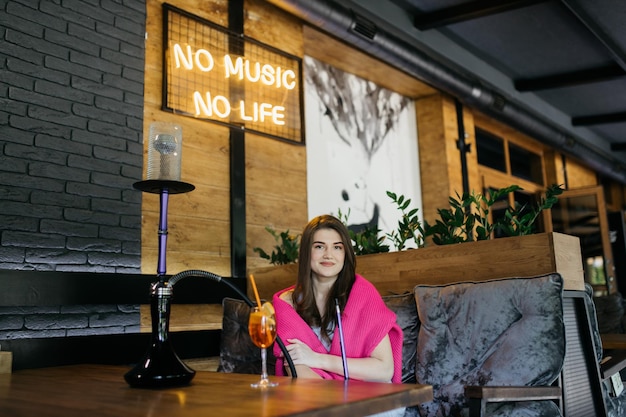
555 69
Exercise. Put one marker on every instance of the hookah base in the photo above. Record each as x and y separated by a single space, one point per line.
160 369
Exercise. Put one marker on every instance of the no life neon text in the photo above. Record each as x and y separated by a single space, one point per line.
207 104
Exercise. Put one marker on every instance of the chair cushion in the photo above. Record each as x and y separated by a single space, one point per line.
406 317
237 352
499 332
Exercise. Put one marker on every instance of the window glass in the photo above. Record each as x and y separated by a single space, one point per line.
594 271
490 150
525 164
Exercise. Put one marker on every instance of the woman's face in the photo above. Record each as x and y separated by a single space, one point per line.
327 254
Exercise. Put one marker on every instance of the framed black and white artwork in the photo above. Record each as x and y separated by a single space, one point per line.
361 142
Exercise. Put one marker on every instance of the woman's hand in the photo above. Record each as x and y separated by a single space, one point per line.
301 353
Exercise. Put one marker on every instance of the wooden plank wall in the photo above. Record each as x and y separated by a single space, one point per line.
199 221
440 158
276 187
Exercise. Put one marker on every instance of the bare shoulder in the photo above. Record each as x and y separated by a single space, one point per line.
287 297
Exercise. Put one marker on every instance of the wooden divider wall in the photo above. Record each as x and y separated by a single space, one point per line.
276 171
199 221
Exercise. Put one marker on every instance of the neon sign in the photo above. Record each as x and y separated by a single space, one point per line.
212 74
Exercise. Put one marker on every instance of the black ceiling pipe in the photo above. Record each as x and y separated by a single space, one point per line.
340 21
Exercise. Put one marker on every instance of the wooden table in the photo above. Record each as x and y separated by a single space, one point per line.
100 391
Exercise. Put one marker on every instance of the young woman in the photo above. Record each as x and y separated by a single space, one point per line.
306 316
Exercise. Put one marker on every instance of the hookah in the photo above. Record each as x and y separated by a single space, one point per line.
161 367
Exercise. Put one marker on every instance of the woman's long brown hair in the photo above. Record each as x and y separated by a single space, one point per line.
303 295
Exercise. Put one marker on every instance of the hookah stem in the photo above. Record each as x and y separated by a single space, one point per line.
162 308
342 343
163 234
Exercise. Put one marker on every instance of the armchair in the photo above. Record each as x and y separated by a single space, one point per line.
587 371
492 339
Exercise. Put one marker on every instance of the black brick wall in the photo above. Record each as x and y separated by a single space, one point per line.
71 120
61 321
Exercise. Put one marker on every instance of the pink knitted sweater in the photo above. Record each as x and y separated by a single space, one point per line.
366 320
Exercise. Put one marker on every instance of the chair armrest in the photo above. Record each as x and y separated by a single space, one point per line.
479 396
613 341
613 363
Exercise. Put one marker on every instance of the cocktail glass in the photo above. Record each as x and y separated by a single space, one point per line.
262 330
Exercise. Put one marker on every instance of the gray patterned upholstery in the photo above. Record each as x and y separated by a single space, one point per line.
615 406
500 332
406 317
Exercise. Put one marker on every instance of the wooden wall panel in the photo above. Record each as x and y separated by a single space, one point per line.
555 172
440 161
199 221
276 185
337 54
432 150
273 26
276 188
579 175
276 193
206 235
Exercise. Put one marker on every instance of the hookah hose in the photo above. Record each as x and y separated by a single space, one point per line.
199 273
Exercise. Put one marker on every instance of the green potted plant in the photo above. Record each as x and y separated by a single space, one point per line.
409 226
522 254
467 219
286 249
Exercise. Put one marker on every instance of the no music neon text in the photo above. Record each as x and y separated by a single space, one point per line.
241 68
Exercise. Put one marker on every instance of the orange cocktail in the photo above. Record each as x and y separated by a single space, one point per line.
262 330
